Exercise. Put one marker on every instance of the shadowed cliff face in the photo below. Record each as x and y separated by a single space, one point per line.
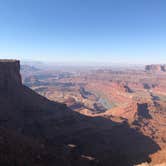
51 134
143 110
9 75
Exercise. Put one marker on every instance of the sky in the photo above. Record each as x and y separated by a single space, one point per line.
84 31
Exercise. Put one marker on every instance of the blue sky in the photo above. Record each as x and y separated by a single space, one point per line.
81 31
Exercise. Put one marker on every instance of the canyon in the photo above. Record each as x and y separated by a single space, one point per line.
135 96
91 118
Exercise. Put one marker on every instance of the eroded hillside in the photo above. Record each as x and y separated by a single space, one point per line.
134 97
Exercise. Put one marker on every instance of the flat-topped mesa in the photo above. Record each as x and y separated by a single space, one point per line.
163 68
155 68
9 60
9 74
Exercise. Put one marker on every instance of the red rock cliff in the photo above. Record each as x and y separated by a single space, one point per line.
9 74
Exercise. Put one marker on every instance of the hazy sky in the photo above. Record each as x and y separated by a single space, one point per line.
124 31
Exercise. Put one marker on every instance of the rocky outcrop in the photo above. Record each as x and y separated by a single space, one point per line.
163 68
9 74
155 68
